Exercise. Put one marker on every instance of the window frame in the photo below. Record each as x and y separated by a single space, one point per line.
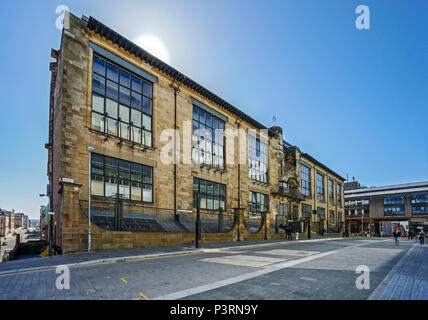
118 123
117 178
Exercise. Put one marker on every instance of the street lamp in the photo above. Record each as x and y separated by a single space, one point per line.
90 149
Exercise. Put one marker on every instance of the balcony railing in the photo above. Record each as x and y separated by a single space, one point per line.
290 193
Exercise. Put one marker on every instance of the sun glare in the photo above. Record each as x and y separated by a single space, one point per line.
153 45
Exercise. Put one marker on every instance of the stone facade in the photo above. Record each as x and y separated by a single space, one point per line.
71 97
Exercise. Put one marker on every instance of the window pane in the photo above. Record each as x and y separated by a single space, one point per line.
136 135
147 175
124 188
97 122
135 191
111 166
135 172
112 72
125 79
98 84
136 100
111 186
111 108
147 89
147 122
136 117
124 113
112 90
124 96
124 131
147 193
97 185
99 66
111 126
98 103
136 84
195 114
147 105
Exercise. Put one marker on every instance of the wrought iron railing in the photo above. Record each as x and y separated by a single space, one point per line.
278 224
124 215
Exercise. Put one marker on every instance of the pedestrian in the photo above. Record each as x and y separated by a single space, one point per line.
422 237
290 237
297 235
347 232
344 232
410 235
396 235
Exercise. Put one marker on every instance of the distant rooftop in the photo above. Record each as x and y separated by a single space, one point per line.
390 189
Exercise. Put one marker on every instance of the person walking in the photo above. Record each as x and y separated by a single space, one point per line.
344 232
422 237
290 237
396 235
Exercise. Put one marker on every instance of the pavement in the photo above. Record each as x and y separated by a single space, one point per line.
322 269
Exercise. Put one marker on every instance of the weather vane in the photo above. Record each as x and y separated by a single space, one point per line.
274 120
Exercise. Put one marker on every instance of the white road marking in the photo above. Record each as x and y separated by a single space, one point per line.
222 283
244 260
284 252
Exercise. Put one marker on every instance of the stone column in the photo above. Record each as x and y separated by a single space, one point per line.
239 220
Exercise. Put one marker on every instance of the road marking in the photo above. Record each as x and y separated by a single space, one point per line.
136 299
123 279
286 252
143 296
308 279
226 282
244 260
143 257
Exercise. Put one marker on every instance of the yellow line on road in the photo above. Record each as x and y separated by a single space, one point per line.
143 296
123 279
136 299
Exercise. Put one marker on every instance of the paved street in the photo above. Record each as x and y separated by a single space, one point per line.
316 269
10 239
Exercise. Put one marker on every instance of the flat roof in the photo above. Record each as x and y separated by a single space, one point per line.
400 187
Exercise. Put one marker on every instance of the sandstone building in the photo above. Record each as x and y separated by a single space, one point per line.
113 102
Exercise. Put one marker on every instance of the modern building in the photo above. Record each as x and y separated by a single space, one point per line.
370 207
113 108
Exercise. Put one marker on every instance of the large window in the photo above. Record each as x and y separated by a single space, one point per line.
339 194
207 139
306 210
283 209
259 203
331 190
212 194
395 210
113 177
420 198
121 103
321 212
257 158
394 200
320 186
305 180
331 218
420 204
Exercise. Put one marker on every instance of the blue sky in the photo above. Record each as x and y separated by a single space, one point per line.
357 100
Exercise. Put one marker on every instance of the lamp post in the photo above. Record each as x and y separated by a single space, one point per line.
90 149
198 219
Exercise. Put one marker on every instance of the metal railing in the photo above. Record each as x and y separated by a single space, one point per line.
278 224
124 215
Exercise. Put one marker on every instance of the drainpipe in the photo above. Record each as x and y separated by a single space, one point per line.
176 90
